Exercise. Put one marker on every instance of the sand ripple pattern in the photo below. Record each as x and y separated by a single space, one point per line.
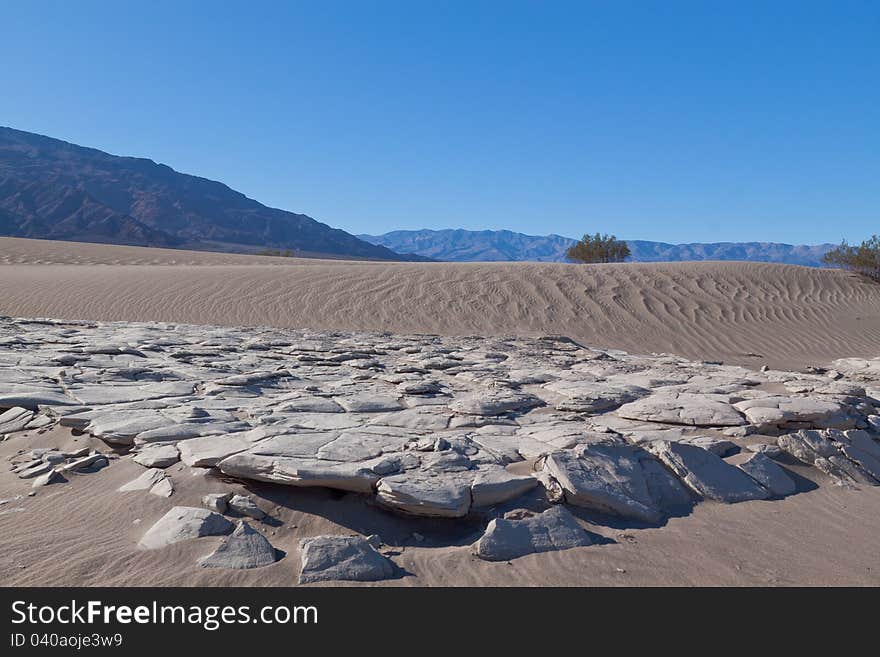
744 313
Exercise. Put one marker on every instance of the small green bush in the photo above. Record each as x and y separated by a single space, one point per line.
863 259
598 248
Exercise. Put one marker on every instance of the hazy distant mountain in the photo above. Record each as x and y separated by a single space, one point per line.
792 254
467 245
55 190
503 245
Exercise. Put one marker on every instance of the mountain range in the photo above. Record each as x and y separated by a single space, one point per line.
52 189
460 245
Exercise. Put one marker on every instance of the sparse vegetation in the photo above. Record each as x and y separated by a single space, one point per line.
598 248
863 259
287 253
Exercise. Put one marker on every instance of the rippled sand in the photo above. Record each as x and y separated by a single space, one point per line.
744 313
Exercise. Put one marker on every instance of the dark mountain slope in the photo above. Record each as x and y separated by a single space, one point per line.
52 189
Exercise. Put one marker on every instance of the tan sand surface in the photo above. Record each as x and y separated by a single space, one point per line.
744 313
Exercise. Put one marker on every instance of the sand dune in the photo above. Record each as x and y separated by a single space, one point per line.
745 313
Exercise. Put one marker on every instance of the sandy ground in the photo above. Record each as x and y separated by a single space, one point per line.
85 532
744 313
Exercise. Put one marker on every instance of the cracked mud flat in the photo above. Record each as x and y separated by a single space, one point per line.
199 454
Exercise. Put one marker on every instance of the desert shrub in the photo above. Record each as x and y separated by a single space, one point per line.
863 259
287 253
598 248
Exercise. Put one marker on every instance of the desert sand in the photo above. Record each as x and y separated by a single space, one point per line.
744 313
84 532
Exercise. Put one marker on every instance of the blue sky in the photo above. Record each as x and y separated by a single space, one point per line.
672 121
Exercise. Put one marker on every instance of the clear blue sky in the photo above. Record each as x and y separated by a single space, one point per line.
673 121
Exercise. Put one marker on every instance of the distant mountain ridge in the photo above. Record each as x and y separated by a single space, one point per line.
458 245
52 189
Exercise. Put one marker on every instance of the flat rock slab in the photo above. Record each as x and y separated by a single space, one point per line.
311 404
352 446
619 479
185 430
769 474
295 444
430 496
779 411
40 468
318 421
593 397
121 393
15 419
183 523
417 419
554 529
342 558
159 456
427 387
367 403
495 402
707 474
683 408
121 427
301 472
85 463
497 485
208 451
717 446
30 398
244 548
